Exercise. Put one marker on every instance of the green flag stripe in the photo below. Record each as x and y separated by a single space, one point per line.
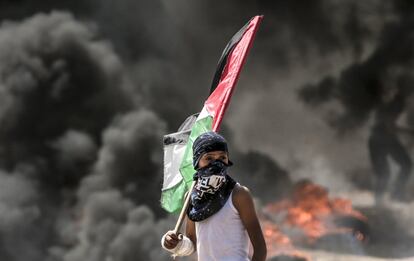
187 170
172 199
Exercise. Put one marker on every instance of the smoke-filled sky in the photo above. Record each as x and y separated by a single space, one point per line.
88 89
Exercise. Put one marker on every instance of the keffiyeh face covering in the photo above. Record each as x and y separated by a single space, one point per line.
210 179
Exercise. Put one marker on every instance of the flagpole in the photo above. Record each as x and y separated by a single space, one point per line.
184 209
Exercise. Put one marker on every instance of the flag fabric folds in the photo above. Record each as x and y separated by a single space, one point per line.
178 168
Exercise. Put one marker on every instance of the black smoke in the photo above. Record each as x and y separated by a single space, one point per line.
66 115
359 85
352 100
358 90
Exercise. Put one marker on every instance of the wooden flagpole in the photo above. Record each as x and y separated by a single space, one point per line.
184 209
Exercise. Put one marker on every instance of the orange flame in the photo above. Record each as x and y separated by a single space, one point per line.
310 213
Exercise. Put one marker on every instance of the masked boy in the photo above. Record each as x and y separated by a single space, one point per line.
221 218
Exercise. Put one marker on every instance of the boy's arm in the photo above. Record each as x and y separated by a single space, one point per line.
190 231
243 202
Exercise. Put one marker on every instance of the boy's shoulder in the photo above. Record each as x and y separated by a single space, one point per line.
240 189
240 194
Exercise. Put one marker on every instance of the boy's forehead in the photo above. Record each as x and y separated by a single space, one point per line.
217 152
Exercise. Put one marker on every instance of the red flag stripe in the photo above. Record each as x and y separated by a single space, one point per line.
217 102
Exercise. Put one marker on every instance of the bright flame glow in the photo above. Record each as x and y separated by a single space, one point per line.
306 216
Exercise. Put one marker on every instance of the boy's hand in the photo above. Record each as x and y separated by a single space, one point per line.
171 239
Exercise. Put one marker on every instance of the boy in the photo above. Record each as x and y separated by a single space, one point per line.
221 217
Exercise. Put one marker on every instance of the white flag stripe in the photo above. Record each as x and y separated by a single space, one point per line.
203 114
173 156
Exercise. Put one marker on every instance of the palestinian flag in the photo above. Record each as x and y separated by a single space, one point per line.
178 153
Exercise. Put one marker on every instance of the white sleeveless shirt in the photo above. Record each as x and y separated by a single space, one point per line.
222 237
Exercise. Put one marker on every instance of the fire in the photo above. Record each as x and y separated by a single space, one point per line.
306 216
272 234
279 244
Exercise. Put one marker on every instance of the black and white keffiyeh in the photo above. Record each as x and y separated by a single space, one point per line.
211 191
